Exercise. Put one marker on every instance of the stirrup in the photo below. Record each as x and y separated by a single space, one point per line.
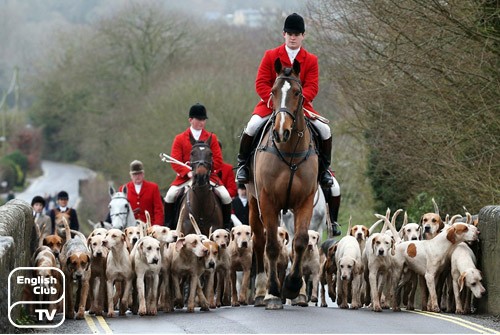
242 175
335 229
326 179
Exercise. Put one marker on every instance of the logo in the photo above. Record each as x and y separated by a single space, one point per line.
43 290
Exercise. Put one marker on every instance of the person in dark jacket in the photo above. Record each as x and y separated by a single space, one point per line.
62 207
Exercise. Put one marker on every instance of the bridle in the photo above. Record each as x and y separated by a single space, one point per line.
122 216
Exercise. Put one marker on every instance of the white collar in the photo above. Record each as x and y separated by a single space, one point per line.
196 133
292 53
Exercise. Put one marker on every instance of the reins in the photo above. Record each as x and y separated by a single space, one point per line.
273 148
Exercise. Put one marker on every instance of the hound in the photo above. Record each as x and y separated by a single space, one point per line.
75 260
222 268
377 259
240 253
328 270
42 259
427 258
118 269
146 262
97 292
465 274
349 271
208 276
184 256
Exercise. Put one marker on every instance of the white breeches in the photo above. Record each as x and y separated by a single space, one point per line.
220 190
256 121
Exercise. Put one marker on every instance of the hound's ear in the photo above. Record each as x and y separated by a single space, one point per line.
88 242
232 234
179 244
450 235
211 237
421 220
319 238
461 281
287 237
89 258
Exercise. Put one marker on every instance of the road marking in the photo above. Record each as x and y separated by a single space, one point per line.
91 324
102 323
461 322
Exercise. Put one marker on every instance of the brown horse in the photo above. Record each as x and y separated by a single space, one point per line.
284 177
200 200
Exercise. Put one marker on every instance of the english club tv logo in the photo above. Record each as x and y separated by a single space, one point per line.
43 295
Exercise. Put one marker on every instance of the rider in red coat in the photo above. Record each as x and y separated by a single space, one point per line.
290 51
181 151
143 195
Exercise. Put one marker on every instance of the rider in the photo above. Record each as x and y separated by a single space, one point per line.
181 151
294 34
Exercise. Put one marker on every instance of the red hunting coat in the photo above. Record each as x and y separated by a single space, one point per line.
181 150
228 178
266 75
148 199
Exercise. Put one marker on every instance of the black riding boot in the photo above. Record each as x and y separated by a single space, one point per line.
226 217
169 215
333 210
242 172
325 155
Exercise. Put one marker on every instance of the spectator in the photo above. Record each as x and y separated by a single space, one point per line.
62 207
144 195
240 206
226 174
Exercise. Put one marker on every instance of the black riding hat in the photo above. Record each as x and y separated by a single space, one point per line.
294 24
38 200
198 111
63 195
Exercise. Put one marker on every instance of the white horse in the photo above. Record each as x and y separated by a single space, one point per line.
318 219
120 210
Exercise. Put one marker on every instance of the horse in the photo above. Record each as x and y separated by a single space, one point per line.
284 174
199 199
120 210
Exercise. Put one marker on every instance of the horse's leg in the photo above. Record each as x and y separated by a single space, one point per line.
293 281
258 249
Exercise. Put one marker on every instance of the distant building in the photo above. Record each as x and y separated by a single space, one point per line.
248 17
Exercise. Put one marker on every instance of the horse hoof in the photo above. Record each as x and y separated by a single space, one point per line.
274 303
259 302
288 294
291 288
301 301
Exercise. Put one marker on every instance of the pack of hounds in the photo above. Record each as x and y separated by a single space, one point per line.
149 268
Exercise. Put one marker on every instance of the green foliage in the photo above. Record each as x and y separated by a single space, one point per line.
13 169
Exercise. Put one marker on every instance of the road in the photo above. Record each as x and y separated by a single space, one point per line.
248 319
57 177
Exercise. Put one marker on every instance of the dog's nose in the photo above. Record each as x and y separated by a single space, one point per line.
155 260
414 238
211 265
244 244
381 252
99 253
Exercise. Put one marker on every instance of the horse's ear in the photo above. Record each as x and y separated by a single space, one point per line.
296 67
124 189
278 66
191 139
111 190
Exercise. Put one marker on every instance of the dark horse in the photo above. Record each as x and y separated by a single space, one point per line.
284 177
200 200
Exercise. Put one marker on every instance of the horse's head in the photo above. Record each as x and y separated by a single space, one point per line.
201 162
119 209
287 101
